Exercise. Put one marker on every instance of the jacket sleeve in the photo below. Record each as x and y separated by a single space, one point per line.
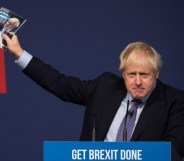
67 88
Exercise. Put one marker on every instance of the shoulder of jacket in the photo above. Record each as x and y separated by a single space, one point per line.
109 75
170 90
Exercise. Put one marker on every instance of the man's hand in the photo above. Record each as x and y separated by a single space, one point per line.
13 45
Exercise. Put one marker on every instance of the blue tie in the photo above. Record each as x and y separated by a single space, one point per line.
130 121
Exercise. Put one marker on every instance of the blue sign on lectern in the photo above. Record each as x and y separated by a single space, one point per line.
100 151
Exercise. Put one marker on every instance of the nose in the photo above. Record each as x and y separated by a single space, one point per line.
138 80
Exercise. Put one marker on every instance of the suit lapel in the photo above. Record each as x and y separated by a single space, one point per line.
110 106
152 106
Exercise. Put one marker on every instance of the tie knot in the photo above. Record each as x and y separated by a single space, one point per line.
136 101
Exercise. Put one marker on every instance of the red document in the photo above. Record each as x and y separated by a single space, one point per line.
3 88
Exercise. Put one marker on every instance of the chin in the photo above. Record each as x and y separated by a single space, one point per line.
138 96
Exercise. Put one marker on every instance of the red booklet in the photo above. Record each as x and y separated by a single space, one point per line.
3 88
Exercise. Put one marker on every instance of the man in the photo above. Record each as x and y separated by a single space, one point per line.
11 24
159 116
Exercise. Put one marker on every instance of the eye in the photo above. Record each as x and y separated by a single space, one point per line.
132 74
144 75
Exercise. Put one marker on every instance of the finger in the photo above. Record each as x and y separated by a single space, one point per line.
9 38
10 35
5 37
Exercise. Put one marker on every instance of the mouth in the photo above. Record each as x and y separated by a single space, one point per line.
139 90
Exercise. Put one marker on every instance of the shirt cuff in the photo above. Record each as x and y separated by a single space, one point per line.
24 60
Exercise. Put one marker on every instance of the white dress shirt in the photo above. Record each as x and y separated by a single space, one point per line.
113 130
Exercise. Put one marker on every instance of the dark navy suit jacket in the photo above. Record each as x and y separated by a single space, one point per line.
162 118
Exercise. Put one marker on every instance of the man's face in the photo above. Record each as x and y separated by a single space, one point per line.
11 24
139 80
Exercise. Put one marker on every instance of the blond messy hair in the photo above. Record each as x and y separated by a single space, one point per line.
140 53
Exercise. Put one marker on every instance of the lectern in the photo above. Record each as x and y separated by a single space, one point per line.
100 151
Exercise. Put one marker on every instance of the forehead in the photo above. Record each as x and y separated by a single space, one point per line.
139 68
